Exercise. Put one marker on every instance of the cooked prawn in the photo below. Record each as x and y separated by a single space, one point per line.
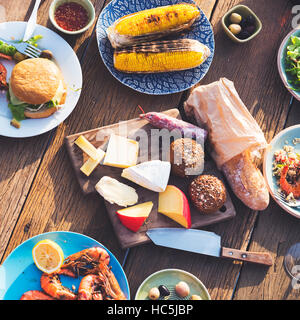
90 288
110 284
86 261
286 187
35 295
52 285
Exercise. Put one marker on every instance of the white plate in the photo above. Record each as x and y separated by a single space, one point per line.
69 64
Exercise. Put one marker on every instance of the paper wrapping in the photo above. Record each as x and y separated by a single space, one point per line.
218 108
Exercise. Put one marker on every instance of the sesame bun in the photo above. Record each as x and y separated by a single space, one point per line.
35 81
186 157
207 193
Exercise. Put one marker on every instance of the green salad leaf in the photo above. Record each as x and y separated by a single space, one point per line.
293 62
10 50
7 49
18 111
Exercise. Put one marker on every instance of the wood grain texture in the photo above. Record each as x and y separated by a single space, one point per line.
247 256
53 199
99 137
20 158
274 230
282 233
252 67
105 101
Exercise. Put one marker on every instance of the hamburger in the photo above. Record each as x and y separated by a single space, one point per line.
36 89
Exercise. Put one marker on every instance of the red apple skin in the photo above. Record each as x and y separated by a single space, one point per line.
186 210
132 223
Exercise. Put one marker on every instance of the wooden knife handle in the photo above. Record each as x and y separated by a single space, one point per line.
254 257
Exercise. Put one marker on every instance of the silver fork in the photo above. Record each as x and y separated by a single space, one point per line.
293 203
25 48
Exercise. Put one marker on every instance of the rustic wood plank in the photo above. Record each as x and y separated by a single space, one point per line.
20 158
126 237
283 232
56 179
253 86
274 230
104 101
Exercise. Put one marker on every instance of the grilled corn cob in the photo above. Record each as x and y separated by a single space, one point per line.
151 24
161 56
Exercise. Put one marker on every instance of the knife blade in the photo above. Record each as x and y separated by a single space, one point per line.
31 21
203 242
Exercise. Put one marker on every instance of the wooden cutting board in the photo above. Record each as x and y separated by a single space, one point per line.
99 138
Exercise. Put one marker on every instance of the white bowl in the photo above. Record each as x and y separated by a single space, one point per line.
85 3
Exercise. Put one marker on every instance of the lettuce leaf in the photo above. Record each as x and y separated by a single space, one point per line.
10 50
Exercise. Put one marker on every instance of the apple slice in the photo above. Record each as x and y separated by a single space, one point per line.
134 217
174 204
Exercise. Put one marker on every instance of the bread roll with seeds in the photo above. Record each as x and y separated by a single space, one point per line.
186 157
207 193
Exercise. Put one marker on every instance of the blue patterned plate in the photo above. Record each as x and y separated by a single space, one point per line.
153 83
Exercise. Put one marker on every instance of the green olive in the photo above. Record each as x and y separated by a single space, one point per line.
235 18
19 56
235 28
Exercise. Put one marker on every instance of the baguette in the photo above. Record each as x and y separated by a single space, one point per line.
247 181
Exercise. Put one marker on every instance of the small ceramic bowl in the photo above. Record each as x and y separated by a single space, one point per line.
281 64
169 278
284 138
244 11
85 3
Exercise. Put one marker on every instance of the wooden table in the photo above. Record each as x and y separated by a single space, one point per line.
39 193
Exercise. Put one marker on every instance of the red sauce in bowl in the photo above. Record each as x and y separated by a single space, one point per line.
71 16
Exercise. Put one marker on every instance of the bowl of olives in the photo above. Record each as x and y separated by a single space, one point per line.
241 24
172 284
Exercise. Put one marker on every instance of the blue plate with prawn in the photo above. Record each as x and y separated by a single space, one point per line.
284 138
18 273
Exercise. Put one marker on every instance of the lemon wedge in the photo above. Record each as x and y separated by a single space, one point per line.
47 256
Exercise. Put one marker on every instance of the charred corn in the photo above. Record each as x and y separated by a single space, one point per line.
151 24
161 56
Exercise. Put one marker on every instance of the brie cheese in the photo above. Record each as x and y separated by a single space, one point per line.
153 175
114 191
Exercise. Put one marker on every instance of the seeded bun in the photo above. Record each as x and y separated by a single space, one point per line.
207 193
186 157
35 81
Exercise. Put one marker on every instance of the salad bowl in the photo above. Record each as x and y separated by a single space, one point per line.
284 138
282 63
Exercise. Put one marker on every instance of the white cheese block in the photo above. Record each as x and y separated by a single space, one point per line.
121 152
153 175
114 191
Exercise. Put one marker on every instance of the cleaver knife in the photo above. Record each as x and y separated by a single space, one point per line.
204 242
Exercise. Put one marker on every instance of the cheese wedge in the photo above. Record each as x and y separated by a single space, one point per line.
153 175
174 204
88 148
121 152
114 191
134 217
